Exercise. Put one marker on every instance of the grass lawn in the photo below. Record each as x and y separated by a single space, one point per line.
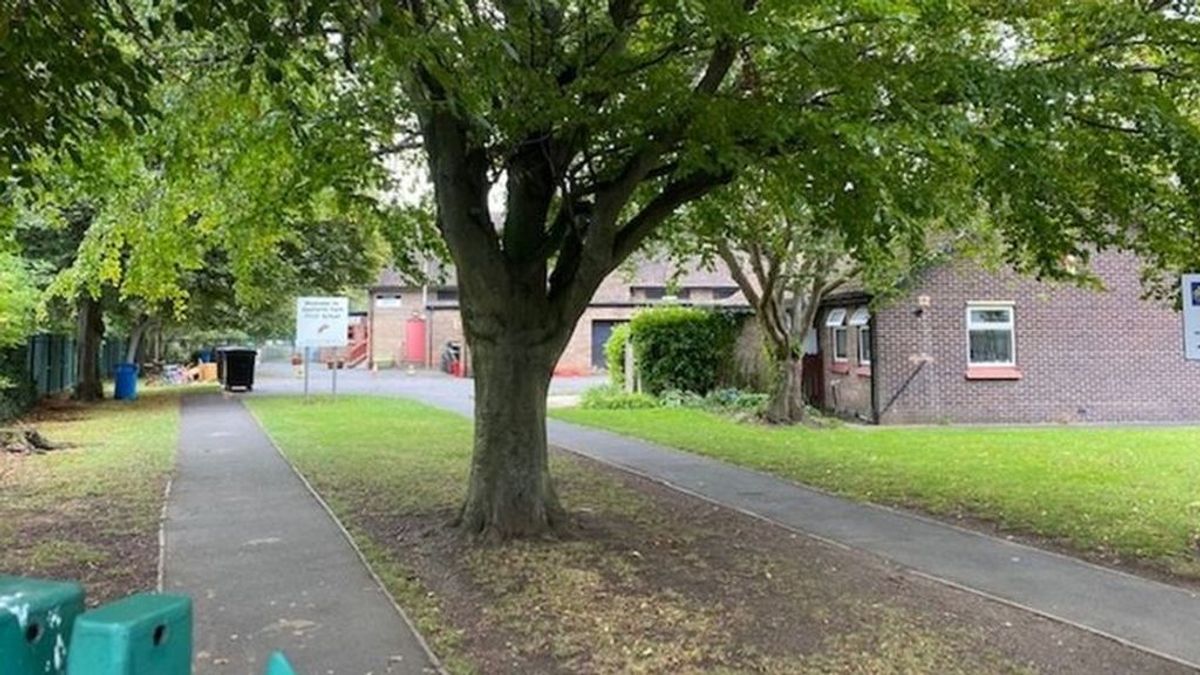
90 513
1120 494
651 580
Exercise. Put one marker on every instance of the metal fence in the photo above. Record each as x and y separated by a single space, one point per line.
51 364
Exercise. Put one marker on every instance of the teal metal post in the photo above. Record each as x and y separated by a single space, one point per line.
36 618
278 665
145 634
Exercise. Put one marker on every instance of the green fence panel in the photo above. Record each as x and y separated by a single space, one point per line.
38 364
36 619
144 634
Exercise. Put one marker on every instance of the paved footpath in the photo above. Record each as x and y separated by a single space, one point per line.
266 565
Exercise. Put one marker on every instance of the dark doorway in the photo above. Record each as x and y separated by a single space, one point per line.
814 380
601 330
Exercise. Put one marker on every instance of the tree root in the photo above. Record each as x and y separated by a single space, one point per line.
28 442
553 524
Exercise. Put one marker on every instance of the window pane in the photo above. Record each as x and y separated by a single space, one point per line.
839 343
991 346
990 316
864 345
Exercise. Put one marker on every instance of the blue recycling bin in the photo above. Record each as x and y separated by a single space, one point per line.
125 375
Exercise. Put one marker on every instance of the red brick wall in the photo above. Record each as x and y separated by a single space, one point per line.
847 383
386 321
1082 355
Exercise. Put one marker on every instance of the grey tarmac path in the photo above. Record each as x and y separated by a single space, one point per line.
266 565
1146 614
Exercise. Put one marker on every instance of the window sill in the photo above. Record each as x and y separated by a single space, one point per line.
993 373
863 371
839 367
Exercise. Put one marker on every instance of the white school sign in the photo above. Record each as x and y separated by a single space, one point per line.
1191 316
322 321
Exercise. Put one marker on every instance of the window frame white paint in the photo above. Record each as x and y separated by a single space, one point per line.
1010 325
833 333
865 328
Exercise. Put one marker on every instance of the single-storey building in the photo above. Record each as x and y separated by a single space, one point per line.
411 325
969 345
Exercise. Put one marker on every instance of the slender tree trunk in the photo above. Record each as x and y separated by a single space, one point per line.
787 405
135 340
89 334
510 494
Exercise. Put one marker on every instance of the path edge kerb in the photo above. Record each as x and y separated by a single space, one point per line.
910 570
362 558
160 582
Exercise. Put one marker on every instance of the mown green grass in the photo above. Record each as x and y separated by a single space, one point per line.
1118 492
630 594
91 512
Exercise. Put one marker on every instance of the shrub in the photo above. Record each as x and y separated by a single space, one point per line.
614 354
608 397
674 398
736 400
682 348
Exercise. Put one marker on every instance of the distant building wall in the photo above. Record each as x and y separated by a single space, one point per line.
622 294
389 309
1080 355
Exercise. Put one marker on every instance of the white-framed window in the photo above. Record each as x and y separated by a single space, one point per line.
864 345
838 337
835 320
861 319
991 338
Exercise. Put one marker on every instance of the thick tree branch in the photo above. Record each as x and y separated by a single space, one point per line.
739 275
657 210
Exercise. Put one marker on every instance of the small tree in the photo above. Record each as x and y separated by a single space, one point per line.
790 234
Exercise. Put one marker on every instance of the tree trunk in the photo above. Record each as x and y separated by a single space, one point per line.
89 334
510 494
787 405
135 340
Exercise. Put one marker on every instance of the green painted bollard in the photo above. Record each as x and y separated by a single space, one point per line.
278 665
144 634
36 617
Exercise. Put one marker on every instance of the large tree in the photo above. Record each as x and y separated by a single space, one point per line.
594 122
68 69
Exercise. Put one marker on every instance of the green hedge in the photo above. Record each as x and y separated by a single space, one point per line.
683 348
614 354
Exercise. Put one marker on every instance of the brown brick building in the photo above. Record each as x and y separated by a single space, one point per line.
411 324
970 345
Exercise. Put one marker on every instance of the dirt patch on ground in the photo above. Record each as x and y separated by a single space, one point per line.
99 543
90 513
657 581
